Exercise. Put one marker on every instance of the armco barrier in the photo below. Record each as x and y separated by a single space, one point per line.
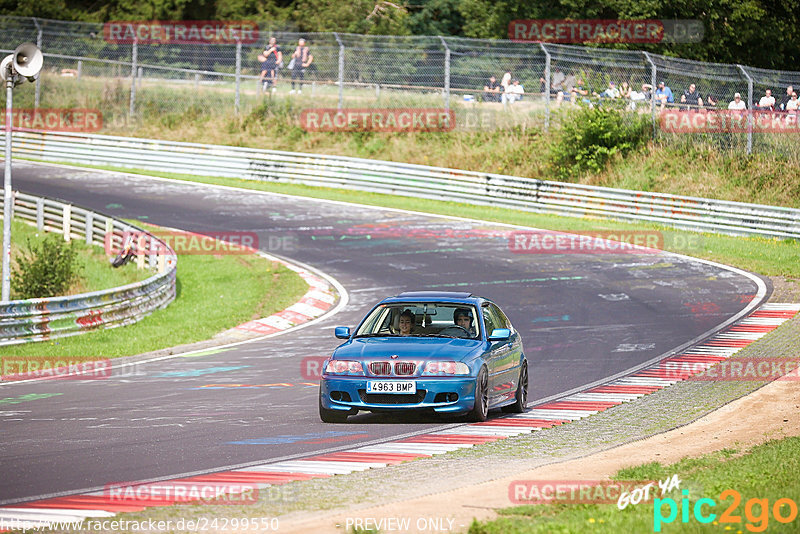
542 196
24 321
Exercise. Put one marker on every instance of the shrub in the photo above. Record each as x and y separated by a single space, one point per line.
589 138
46 270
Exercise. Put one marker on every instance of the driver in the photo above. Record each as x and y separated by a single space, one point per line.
463 317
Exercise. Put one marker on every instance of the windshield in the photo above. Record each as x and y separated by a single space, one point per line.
424 319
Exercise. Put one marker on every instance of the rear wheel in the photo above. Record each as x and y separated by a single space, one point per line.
480 411
522 392
331 416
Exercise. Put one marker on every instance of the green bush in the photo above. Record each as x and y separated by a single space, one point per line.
46 269
589 138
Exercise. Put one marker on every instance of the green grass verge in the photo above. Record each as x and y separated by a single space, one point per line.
214 293
767 471
767 256
96 271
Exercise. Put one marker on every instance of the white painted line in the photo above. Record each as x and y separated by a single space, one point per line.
780 306
644 381
752 336
601 397
414 448
550 415
488 430
763 321
272 468
356 466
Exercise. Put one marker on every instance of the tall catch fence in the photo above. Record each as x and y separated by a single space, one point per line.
133 82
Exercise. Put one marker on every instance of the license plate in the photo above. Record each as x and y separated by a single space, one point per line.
391 386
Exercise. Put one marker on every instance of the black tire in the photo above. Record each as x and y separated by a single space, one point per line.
522 392
331 416
480 412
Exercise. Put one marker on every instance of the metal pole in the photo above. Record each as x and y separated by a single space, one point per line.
341 70
238 73
446 73
749 110
546 87
38 78
134 60
653 77
80 68
7 199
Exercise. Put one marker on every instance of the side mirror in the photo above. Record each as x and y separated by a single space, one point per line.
342 332
500 334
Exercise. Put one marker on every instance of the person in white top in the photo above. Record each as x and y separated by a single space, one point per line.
767 101
737 102
793 104
513 92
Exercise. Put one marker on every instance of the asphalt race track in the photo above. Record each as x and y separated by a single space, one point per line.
583 317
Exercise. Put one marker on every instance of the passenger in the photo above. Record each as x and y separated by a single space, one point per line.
463 318
406 324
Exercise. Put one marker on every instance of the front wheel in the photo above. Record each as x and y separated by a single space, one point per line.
480 411
522 392
331 416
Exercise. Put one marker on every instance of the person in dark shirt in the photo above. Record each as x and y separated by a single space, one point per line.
269 67
491 91
785 100
301 60
692 98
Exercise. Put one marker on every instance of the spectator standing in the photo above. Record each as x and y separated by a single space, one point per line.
737 103
767 101
491 91
269 68
664 95
301 60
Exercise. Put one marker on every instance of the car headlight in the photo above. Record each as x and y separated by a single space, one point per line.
445 369
344 367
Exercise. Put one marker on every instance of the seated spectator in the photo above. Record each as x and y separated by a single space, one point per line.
767 101
557 79
643 96
625 90
513 93
566 92
663 94
711 100
505 82
691 98
787 97
576 94
793 104
610 92
491 91
737 103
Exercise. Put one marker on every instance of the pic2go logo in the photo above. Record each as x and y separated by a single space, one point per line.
756 511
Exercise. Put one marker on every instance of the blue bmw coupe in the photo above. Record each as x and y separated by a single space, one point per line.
449 353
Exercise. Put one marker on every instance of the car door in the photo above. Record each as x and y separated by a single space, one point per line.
508 356
496 355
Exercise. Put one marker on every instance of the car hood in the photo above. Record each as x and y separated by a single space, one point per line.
409 348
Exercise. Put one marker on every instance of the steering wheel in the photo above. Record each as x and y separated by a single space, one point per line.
455 331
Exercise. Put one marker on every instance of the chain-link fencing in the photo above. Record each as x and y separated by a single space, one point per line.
533 84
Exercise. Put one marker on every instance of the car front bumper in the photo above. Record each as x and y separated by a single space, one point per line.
347 393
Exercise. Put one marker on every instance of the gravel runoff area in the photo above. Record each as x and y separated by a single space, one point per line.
472 483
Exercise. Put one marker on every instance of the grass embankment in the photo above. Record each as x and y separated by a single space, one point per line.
95 273
767 473
692 165
214 293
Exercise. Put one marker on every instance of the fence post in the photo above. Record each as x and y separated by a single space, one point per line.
66 222
134 61
238 73
749 109
341 70
546 95
89 229
653 77
38 78
80 68
40 214
446 73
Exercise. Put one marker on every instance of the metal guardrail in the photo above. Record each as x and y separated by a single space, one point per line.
528 194
25 321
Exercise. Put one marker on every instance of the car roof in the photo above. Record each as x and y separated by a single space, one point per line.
435 296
